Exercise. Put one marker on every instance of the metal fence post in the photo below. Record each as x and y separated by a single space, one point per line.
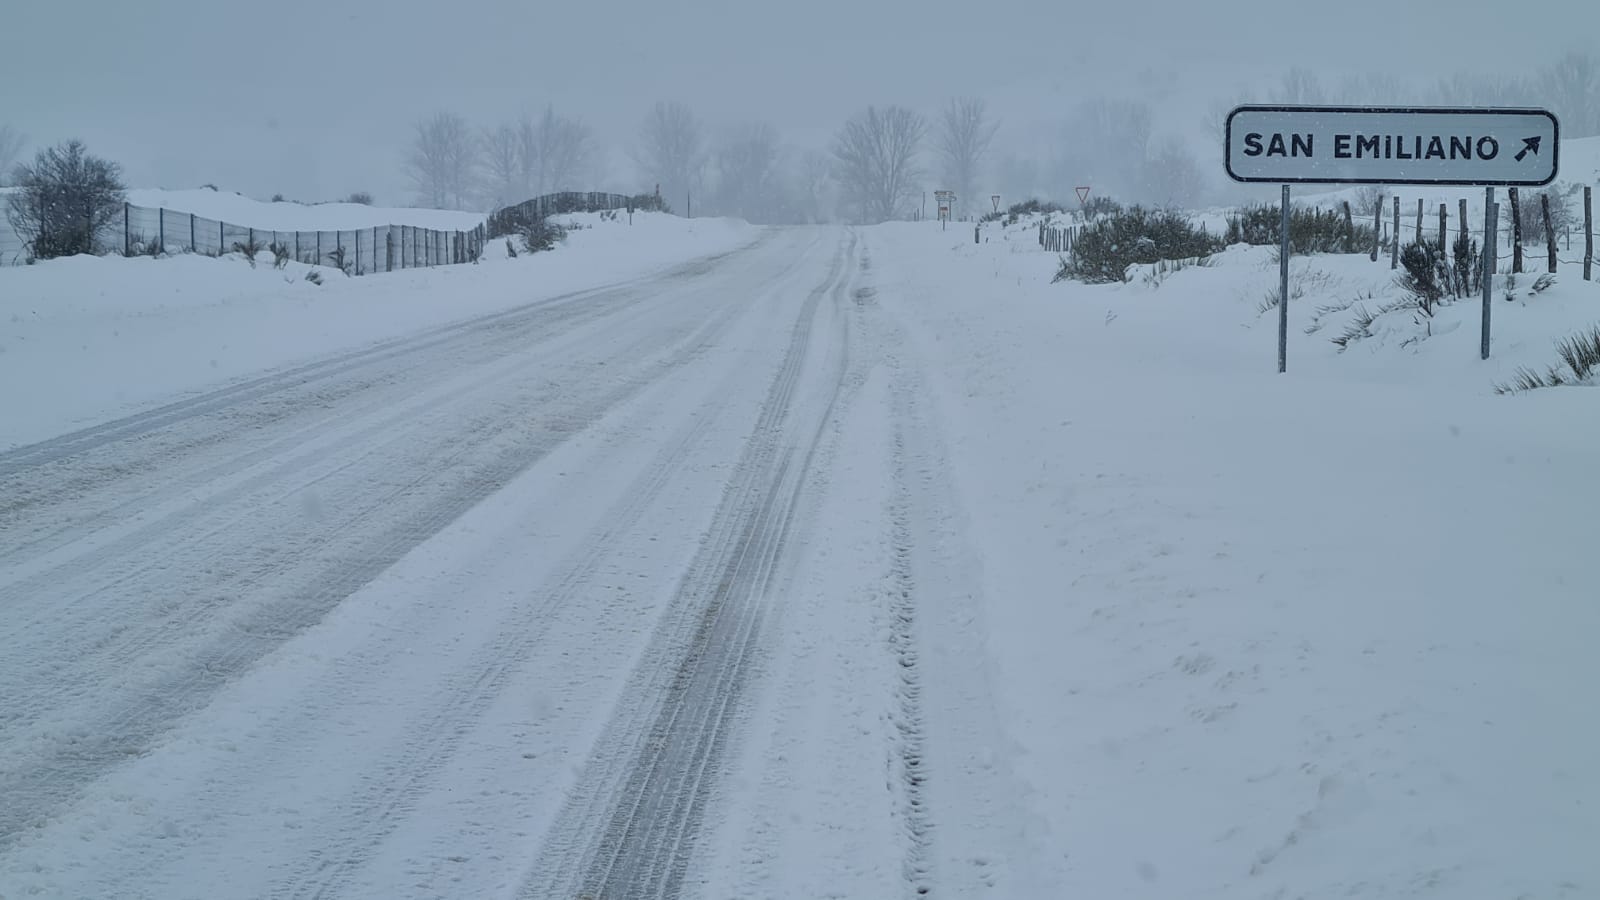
161 228
358 252
319 250
193 248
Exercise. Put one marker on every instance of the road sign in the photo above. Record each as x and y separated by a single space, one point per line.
1392 145
1083 193
995 199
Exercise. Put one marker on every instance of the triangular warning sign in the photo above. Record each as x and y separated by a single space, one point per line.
1083 195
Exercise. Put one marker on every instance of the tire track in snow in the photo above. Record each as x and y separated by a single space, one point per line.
326 370
629 831
909 753
40 776
374 815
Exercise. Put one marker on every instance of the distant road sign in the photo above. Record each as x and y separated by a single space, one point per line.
1083 194
1392 145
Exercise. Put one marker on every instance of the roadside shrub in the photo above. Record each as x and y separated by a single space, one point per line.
315 277
1103 252
1467 273
510 220
1029 207
1580 352
144 245
650 203
340 258
1531 211
249 247
1099 207
66 201
361 197
1427 274
542 235
511 249
280 254
1310 230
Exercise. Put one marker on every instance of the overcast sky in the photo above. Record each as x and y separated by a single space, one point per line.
316 98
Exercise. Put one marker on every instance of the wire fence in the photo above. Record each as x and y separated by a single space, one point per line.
147 231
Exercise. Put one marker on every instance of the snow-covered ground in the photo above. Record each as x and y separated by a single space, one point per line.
1322 634
88 338
833 563
228 206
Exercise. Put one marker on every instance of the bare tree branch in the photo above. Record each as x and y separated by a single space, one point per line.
747 172
876 155
442 161
502 167
671 149
11 143
963 139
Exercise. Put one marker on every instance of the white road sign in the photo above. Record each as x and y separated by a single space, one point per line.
1392 145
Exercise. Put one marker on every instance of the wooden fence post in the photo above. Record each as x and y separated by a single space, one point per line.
1377 227
1394 248
1349 228
1419 221
127 241
1444 239
1464 221
1516 233
1549 231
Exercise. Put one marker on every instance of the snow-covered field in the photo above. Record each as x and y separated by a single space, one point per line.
801 563
90 338
228 206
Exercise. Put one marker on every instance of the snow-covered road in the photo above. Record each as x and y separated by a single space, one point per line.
845 563
429 617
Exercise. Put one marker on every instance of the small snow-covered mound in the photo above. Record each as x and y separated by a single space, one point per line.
238 209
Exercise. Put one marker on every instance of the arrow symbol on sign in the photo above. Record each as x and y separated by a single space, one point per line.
1527 145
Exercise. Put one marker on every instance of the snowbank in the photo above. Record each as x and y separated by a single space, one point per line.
1314 635
90 338
238 209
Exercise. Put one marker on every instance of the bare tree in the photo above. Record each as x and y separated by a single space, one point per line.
1106 144
11 143
671 149
1572 85
1299 86
747 174
876 156
813 182
557 153
963 138
67 199
502 183
443 158
1172 176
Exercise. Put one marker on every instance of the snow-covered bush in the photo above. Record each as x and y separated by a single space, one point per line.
1103 252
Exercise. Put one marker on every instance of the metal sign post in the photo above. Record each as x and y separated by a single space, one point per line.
944 200
1283 287
1390 145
